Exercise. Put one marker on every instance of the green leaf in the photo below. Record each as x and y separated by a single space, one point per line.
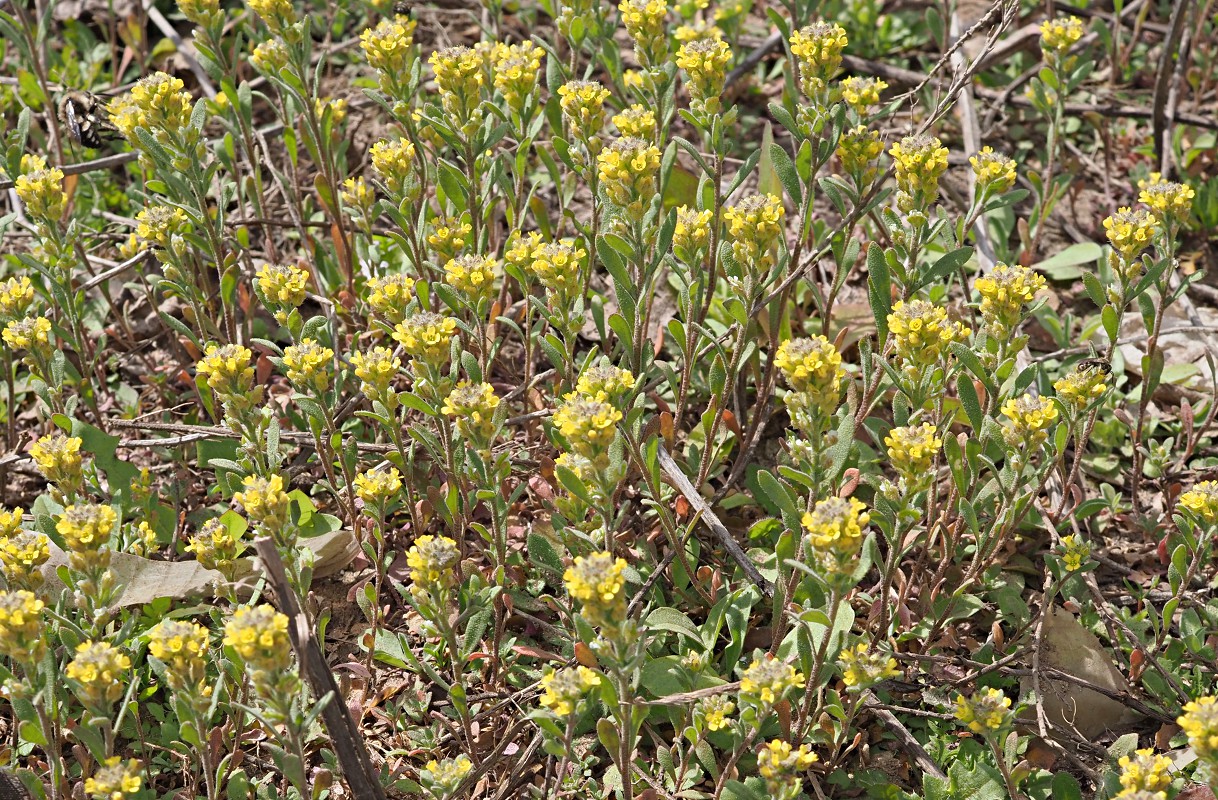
785 168
1066 265
969 401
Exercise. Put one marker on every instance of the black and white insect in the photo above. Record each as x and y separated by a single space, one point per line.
1102 364
86 119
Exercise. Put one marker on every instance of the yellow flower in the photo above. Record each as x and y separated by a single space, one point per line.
638 121
517 67
644 21
583 107
446 776
42 193
259 635
433 561
1080 387
912 449
862 93
282 285
86 528
859 149
863 667
115 780
818 53
473 276
920 162
376 369
1201 501
217 546
394 162
564 689
58 458
389 296
986 712
754 226
22 633
922 332
767 680
448 236
835 525
1171 200
1200 723
1059 35
698 29
227 370
714 711
100 673
387 47
781 766
559 268
1028 421
16 297
200 12
1144 771
10 521
264 500
378 486
358 197
588 424
1130 232
459 77
1074 552
30 333
426 336
277 14
812 368
269 57
605 382
1005 292
627 169
308 365
473 406
22 555
693 230
158 103
598 582
182 647
995 173
158 225
705 63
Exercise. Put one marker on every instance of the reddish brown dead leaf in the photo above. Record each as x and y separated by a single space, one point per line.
585 656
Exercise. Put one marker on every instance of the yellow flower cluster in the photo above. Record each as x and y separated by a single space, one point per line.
277 14
259 636
22 554
1201 501
394 162
1169 199
861 93
459 76
387 47
99 672
781 766
1074 552
817 49
378 486
473 406
21 628
115 780
920 162
564 689
1059 35
426 336
16 297
1144 771
862 667
227 370
182 647
10 521
698 29
754 226
627 171
705 63
517 67
912 449
605 382
637 121
812 368
30 333
217 546
598 582
859 150
264 501
1029 419
308 365
1080 387
1005 292
693 230
559 266
922 333
446 776
583 107
282 285
58 458
200 12
389 296
767 680
448 236
644 21
433 561
269 57
157 225
1130 231
588 424
376 369
1200 723
158 103
473 276
995 173
41 191
86 528
715 710
986 712
835 526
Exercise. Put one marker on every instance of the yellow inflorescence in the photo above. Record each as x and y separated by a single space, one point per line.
693 230
583 107
920 162
781 765
564 689
835 525
377 486
227 370
158 103
269 57
115 780
432 561
426 336
986 712
558 266
862 93
818 52
812 366
473 276
754 226
767 680
259 635
216 546
1005 292
448 236
472 406
308 365
30 333
389 296
605 382
705 63
388 46
517 67
264 500
1029 419
598 582
1201 501
1074 552
158 224
644 21
922 333
912 449
376 370
283 285
86 528
21 627
1144 771
10 521
182 647
1059 35
627 171
1080 387
277 14
22 554
394 162
863 667
459 76
995 173
16 297
589 424
41 191
1130 231
58 458
715 711
1200 723
100 672
637 121
1169 199
446 775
